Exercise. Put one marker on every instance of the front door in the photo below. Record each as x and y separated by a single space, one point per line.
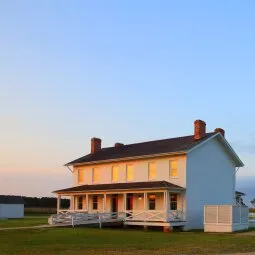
114 203
129 202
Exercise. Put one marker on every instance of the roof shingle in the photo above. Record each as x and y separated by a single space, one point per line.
171 145
4 199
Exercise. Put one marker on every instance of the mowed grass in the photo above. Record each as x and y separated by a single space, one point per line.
93 241
27 221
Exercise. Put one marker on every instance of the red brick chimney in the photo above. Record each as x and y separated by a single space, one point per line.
117 145
200 129
220 130
95 145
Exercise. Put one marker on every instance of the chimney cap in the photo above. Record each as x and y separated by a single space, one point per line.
96 138
200 121
117 145
220 130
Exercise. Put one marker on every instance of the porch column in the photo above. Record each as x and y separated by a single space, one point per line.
72 203
124 202
166 195
58 203
104 203
183 206
87 202
167 207
145 201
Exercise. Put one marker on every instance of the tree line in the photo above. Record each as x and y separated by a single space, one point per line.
49 202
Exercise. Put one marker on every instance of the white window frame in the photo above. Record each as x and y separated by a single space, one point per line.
78 175
170 170
117 173
93 175
127 172
152 162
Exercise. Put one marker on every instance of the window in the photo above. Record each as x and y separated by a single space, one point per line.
152 171
173 166
129 173
95 175
80 175
115 173
95 202
152 202
80 203
173 201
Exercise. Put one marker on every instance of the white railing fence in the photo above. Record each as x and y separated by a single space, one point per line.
225 214
153 216
78 218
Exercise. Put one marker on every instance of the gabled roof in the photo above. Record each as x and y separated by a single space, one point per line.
171 145
122 186
11 199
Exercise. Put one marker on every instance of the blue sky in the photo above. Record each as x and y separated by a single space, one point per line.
125 71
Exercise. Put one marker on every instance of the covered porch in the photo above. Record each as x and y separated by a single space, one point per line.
150 206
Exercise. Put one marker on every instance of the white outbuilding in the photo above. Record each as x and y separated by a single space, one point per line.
11 207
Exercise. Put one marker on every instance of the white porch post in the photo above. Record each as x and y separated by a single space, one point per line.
72 203
124 202
104 205
167 201
87 202
58 203
145 201
182 201
166 204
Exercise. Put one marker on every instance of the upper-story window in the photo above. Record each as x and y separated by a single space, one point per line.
115 173
95 175
80 175
173 168
130 172
152 171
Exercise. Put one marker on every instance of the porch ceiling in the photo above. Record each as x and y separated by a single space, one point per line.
122 187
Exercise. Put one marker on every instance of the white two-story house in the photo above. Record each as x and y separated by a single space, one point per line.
164 182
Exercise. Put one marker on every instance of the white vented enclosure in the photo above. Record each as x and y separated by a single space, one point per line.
225 218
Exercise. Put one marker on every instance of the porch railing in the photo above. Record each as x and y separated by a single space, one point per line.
77 218
152 215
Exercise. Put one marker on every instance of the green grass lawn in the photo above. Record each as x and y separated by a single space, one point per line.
93 241
34 220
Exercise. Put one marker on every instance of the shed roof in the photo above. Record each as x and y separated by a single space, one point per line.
5 199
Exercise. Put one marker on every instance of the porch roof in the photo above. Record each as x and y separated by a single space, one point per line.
122 186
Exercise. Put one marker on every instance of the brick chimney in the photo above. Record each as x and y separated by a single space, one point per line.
117 145
95 145
199 129
220 130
